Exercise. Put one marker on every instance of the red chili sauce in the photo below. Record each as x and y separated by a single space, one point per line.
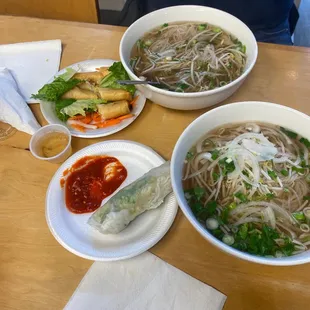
90 180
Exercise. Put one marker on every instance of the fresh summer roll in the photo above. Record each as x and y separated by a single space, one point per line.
146 193
113 109
110 94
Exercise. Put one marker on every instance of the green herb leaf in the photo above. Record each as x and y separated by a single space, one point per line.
215 154
225 215
199 192
247 185
243 231
289 133
215 176
53 91
117 72
241 197
284 172
306 198
165 25
190 155
305 141
298 170
272 174
270 196
59 105
227 167
202 27
299 216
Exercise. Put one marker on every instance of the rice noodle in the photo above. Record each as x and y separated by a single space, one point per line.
273 188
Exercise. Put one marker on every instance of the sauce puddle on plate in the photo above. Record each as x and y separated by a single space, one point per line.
90 180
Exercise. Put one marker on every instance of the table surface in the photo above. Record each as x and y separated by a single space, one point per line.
37 273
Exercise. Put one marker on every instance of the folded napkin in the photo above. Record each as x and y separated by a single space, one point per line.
13 108
142 283
32 64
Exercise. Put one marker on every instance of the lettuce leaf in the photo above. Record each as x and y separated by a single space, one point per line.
117 72
60 85
68 74
80 106
54 90
59 105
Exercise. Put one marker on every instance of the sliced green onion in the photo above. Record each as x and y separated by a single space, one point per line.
298 170
299 216
202 27
272 174
289 133
217 29
215 154
305 141
228 239
241 197
284 172
215 176
165 25
212 223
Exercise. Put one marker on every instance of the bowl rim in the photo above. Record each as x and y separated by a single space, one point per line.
286 261
191 94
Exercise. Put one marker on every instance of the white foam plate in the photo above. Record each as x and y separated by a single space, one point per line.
48 108
72 231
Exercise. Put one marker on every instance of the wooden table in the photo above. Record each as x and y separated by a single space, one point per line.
37 273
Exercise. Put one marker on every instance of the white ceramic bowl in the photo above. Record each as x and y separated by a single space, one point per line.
234 113
189 101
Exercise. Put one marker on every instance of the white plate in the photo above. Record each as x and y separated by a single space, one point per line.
48 108
73 232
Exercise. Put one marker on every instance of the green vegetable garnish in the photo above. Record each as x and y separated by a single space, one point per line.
117 72
241 197
289 133
284 172
217 29
272 174
247 185
215 154
306 198
165 25
305 141
298 170
53 91
81 106
299 216
181 87
59 105
227 167
215 176
225 214
270 196
202 27
190 155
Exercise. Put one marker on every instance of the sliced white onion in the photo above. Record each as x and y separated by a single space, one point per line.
74 122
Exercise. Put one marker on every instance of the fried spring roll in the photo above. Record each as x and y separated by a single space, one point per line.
110 94
94 77
114 109
77 93
87 86
104 71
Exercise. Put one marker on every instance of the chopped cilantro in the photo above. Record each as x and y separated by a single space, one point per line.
215 176
305 141
284 172
241 197
270 196
202 27
289 133
215 154
272 174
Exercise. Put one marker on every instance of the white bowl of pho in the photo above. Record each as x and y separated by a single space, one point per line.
245 185
198 55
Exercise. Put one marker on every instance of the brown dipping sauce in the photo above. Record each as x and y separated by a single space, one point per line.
90 180
52 144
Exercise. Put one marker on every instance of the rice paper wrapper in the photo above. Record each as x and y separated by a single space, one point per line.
146 193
